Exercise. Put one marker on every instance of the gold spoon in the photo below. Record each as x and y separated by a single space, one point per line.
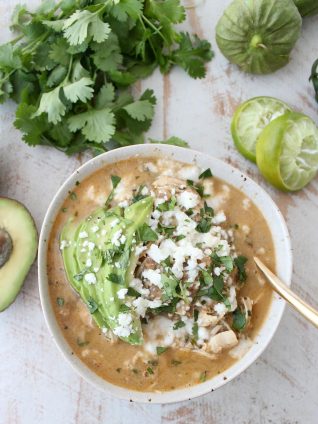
296 302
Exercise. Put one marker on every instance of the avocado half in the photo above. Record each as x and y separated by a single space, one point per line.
18 248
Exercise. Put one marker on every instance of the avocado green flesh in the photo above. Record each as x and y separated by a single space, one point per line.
18 223
109 262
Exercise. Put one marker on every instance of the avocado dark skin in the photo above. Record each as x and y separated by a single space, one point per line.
6 246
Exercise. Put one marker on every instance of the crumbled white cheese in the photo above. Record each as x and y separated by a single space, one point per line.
123 204
124 328
219 218
141 304
88 263
91 245
82 235
114 223
96 269
122 239
188 200
90 278
95 228
246 203
122 293
145 191
116 238
246 229
103 232
190 172
154 276
220 309
136 284
64 243
149 166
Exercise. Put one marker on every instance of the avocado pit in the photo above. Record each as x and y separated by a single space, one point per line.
6 246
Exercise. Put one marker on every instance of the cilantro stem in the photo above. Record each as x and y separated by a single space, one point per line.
157 30
30 48
15 40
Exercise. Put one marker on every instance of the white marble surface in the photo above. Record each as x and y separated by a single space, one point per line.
38 386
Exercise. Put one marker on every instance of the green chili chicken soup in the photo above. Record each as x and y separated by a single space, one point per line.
151 273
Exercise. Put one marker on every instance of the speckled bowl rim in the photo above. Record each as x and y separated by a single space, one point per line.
228 174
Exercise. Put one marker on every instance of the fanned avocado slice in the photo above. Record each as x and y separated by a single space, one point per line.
99 261
18 247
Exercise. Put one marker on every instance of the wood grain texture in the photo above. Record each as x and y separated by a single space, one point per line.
38 386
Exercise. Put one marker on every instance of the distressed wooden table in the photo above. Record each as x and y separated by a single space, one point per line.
38 386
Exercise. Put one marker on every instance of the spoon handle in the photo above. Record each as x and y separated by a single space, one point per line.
297 303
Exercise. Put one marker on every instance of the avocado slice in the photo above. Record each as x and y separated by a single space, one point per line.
99 261
18 248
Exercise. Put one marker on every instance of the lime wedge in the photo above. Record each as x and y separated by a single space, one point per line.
250 119
287 151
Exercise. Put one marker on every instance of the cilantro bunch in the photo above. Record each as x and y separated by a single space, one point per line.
73 63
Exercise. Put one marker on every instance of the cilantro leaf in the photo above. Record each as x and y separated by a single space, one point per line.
106 96
32 127
160 350
192 55
145 234
205 174
83 23
240 262
51 104
115 180
172 141
9 58
179 324
115 278
123 9
239 320
95 125
79 90
140 110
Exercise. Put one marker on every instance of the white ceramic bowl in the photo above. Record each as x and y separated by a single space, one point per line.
230 175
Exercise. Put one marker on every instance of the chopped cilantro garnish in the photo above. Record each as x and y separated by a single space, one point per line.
203 376
132 292
206 174
115 278
178 324
81 343
60 301
197 187
115 180
64 210
92 305
166 229
160 350
204 226
77 183
124 308
168 205
72 195
226 261
240 262
170 283
145 234
150 371
137 194
180 237
195 330
239 320
80 275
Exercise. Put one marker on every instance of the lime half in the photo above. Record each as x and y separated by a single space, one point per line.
251 118
287 151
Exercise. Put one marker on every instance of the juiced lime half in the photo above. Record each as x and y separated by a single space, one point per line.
287 151
250 119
